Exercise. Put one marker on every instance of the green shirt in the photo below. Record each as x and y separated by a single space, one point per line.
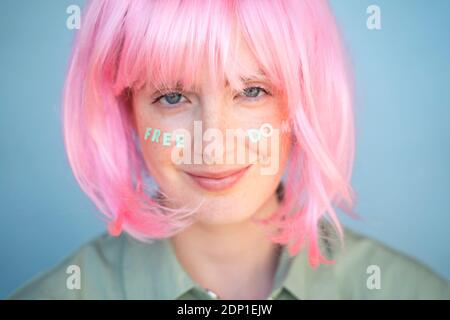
124 268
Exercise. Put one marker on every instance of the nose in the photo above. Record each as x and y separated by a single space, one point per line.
216 117
215 113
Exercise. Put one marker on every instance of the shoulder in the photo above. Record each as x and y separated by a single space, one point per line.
88 273
366 268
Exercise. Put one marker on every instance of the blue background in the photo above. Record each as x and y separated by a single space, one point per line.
402 169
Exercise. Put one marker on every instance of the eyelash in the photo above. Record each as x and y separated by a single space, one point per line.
262 89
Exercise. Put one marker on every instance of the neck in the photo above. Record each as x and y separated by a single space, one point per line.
236 261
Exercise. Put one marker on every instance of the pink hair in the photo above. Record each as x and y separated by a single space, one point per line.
123 44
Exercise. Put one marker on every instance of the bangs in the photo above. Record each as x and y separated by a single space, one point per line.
174 42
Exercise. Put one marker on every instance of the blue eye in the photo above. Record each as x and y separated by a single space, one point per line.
171 98
253 92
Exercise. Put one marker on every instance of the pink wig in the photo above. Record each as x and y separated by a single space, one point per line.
124 44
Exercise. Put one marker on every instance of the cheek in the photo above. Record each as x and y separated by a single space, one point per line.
156 141
272 140
156 155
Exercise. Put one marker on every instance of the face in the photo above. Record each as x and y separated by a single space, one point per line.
185 141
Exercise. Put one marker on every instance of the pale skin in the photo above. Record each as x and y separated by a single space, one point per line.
224 250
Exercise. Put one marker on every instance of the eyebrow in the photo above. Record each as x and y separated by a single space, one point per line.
260 76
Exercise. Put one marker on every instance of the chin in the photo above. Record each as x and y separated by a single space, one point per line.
237 208
221 218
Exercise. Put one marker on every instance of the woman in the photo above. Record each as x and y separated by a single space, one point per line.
217 137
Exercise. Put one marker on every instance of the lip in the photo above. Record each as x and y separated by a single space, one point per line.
217 180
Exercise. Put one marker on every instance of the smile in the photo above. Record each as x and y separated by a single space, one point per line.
217 181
